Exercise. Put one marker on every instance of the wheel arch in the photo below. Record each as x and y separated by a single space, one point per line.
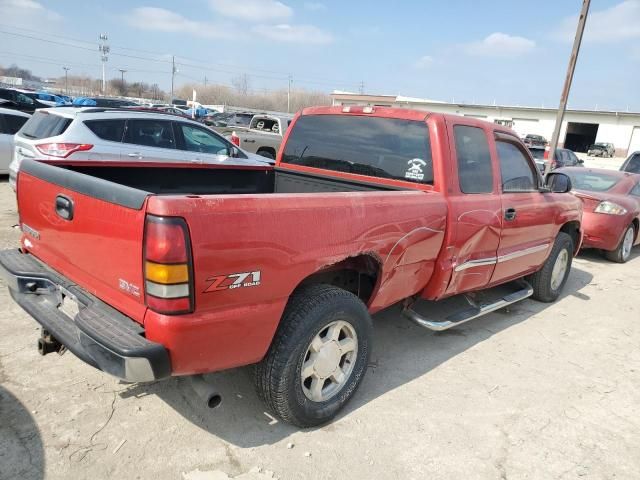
572 229
358 274
270 150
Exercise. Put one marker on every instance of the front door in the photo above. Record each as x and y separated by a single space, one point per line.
527 232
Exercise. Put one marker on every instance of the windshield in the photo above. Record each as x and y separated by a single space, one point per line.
633 164
379 147
537 153
592 181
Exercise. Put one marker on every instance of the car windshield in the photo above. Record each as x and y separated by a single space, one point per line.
633 164
537 153
598 145
592 181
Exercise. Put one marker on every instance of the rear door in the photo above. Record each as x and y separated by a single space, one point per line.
87 229
474 206
527 216
150 140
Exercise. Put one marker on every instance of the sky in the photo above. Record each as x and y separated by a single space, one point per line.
505 52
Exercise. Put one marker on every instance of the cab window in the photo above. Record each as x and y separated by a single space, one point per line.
515 169
475 173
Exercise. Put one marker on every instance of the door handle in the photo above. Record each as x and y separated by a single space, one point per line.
249 141
64 207
510 214
134 155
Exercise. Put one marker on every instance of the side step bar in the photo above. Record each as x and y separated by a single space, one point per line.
477 310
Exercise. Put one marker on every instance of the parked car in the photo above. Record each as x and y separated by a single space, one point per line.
24 100
121 135
562 158
10 122
51 100
103 102
223 273
226 123
263 136
532 140
611 205
601 150
632 163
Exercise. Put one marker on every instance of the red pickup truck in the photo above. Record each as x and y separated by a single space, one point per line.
148 271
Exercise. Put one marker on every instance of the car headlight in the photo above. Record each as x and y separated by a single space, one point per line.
610 208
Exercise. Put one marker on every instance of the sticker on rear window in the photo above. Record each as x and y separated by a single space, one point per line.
414 169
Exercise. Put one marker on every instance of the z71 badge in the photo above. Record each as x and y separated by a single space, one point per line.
233 280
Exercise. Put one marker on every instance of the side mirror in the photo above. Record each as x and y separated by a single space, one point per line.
558 182
581 161
234 152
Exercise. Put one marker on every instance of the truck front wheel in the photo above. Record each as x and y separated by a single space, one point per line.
548 282
318 356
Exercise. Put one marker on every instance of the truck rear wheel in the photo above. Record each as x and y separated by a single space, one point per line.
318 356
548 282
263 152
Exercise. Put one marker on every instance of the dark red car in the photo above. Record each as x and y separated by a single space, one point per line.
611 217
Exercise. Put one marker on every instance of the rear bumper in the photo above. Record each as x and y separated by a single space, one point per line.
97 334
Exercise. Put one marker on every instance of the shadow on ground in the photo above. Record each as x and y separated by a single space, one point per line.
21 450
402 352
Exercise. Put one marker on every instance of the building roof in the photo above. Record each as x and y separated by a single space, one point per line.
399 99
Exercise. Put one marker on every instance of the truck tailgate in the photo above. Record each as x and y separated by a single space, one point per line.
88 229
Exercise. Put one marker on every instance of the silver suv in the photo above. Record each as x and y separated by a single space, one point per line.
102 134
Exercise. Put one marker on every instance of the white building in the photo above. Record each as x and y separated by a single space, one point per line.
580 129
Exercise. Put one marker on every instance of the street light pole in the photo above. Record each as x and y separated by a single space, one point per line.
122 72
564 97
66 79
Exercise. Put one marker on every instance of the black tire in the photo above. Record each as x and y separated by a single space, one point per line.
541 281
278 377
267 154
618 255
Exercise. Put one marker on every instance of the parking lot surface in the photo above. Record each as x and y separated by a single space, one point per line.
538 391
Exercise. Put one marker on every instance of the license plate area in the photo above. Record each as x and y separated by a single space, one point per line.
68 304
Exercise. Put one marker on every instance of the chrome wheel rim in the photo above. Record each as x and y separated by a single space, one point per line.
559 269
627 243
329 361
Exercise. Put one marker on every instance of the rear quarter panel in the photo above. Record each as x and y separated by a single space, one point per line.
287 237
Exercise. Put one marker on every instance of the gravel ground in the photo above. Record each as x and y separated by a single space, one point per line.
533 392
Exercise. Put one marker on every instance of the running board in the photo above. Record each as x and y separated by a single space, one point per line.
463 316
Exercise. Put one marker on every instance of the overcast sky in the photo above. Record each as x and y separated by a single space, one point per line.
510 52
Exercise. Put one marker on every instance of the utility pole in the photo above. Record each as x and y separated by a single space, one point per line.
122 72
66 79
361 89
564 97
173 74
104 49
205 81
290 81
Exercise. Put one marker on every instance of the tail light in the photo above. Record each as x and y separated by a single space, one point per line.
62 150
235 139
168 266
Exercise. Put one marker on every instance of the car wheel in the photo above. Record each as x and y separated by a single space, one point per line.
623 252
548 282
318 356
267 154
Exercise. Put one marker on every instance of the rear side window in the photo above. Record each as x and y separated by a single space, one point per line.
517 174
378 147
45 125
111 130
633 164
635 191
13 123
150 133
475 173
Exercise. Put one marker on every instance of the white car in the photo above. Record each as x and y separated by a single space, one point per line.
10 122
96 134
